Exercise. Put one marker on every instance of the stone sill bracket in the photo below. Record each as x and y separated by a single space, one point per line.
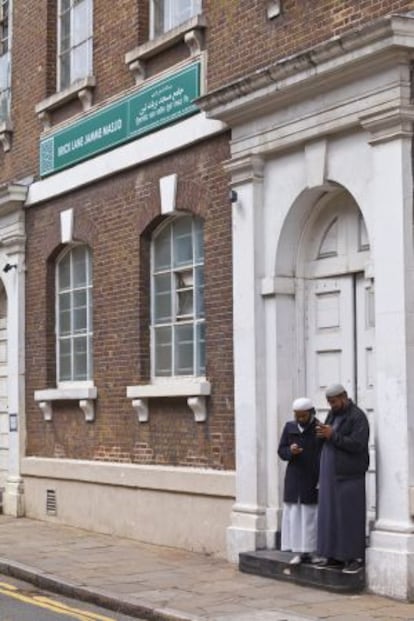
85 397
191 32
81 89
195 391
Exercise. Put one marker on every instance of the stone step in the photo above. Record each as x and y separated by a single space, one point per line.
275 564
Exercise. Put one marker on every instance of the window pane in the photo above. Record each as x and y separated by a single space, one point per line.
90 314
64 301
184 282
184 350
64 272
64 323
79 266
64 70
4 71
158 17
90 358
64 5
65 373
185 303
65 32
162 250
80 359
162 298
183 241
81 22
199 240
79 320
182 10
200 349
199 291
79 299
163 354
79 68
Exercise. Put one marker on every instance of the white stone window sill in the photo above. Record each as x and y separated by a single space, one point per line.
196 391
6 131
81 89
86 396
190 31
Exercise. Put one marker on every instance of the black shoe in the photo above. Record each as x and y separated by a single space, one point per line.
306 558
328 562
352 567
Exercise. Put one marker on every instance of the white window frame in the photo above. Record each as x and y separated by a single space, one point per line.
166 7
88 333
5 57
177 320
60 86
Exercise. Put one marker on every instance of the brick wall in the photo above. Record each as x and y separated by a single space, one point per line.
241 38
116 217
116 31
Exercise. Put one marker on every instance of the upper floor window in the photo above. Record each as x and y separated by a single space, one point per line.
5 81
74 41
74 315
178 324
167 14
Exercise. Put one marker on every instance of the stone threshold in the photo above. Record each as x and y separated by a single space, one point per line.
275 564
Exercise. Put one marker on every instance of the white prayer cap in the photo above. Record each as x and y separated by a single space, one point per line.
303 404
334 390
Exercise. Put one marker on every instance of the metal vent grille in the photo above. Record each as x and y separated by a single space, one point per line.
51 502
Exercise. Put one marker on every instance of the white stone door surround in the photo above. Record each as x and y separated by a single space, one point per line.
12 409
338 116
339 313
4 406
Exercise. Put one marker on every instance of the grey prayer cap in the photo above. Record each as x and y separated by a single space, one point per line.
334 390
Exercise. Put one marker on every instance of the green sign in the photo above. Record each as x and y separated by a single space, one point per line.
144 111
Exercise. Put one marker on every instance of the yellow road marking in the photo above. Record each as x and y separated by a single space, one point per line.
53 606
8 586
90 615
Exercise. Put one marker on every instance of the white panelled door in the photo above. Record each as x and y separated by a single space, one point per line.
339 333
330 328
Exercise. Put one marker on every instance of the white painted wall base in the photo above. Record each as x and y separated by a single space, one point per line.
247 531
13 498
390 564
178 507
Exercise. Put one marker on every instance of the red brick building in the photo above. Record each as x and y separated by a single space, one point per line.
122 130
129 379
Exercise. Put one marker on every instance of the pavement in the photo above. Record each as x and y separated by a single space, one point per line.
167 584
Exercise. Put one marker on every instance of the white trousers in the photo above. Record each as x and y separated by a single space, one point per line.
299 527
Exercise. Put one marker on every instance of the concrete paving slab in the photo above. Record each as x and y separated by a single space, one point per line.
160 583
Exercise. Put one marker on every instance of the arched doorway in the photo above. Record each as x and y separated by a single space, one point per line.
338 318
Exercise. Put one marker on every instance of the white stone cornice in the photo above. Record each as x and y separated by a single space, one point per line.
245 169
320 68
390 124
154 145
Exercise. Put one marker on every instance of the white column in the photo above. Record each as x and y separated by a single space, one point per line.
390 557
248 518
12 242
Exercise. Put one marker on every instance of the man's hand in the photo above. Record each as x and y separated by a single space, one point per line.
295 449
324 431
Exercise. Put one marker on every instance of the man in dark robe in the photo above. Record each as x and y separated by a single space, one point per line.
344 462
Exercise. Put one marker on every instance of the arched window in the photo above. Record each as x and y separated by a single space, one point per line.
74 315
177 309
